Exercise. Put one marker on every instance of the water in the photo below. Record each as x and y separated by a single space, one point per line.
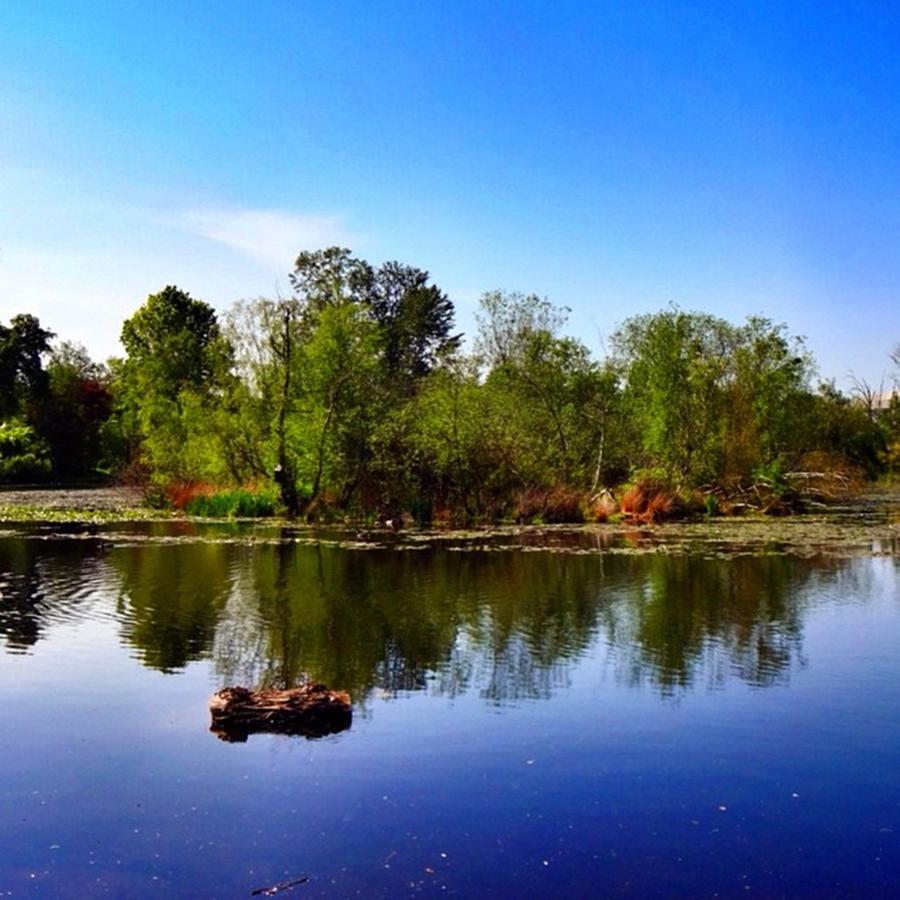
527 723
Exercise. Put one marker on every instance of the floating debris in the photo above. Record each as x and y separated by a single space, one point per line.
310 710
277 888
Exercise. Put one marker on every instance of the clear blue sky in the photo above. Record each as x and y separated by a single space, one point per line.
731 157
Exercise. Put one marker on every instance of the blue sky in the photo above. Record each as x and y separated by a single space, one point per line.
732 157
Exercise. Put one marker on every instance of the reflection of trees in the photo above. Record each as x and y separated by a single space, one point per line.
21 594
510 624
336 617
506 624
38 587
170 599
716 618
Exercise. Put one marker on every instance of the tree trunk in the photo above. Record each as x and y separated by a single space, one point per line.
599 466
284 475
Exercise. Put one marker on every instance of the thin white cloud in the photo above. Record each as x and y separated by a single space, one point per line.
273 237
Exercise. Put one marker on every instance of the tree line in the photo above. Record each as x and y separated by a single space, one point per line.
354 394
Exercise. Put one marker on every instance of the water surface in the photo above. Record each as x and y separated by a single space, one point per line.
688 721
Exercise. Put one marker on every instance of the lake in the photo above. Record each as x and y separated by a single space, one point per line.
537 713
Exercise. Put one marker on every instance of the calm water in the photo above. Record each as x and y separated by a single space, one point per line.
526 724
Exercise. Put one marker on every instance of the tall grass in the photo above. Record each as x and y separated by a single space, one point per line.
237 503
649 500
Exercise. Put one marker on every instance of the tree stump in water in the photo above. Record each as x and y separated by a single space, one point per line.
311 710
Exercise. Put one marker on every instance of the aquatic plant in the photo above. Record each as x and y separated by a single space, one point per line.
240 502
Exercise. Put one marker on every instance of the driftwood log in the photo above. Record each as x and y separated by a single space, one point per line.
310 710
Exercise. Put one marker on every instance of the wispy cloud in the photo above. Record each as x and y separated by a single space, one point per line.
271 236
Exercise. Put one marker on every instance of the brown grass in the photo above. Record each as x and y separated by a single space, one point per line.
180 493
649 501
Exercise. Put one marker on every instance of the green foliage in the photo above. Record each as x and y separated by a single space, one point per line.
23 455
559 403
176 331
354 394
22 377
847 428
237 503
174 377
710 400
772 475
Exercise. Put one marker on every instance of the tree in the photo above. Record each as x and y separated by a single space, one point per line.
508 321
22 377
415 320
72 416
267 336
366 337
769 391
176 357
179 332
330 276
711 400
550 386
338 397
674 365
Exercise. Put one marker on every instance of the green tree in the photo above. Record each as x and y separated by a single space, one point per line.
310 379
176 365
558 398
711 400
338 398
267 337
24 455
675 365
415 320
22 377
769 392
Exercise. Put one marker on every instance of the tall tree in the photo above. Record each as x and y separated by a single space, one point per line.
548 383
74 412
415 319
329 277
176 355
22 376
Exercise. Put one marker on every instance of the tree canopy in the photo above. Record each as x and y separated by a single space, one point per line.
355 394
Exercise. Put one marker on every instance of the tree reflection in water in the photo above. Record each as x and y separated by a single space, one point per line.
506 624
42 583
170 597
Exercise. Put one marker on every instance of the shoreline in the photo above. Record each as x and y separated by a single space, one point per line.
867 525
